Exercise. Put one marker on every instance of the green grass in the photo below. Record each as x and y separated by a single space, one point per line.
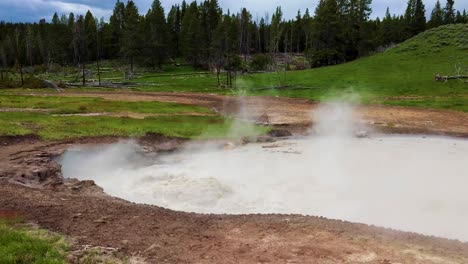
72 105
406 70
56 127
180 83
21 244
457 104
174 120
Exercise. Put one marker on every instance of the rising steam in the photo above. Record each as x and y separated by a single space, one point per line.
405 182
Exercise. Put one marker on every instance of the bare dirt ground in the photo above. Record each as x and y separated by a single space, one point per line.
296 113
32 186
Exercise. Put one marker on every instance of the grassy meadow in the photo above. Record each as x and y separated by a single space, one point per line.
23 244
400 76
51 127
77 105
407 69
404 71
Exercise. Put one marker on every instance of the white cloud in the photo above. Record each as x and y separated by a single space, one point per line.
62 7
32 10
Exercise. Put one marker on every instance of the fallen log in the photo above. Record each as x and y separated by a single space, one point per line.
106 84
439 78
286 87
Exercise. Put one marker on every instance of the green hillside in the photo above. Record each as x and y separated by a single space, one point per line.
402 75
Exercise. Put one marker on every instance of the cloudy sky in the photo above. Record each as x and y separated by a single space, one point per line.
33 10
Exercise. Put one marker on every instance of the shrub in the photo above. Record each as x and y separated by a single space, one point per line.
29 82
235 63
260 62
34 83
39 69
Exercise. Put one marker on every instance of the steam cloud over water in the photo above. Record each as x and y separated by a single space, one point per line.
411 183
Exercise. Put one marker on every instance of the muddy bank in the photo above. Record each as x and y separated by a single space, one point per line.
339 177
163 236
82 211
30 161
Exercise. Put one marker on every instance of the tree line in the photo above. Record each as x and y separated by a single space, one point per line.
203 35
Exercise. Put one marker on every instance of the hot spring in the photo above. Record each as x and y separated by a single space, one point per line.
410 183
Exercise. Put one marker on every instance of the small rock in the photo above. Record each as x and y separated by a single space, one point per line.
271 146
229 146
265 139
361 134
77 215
263 119
247 140
101 220
279 133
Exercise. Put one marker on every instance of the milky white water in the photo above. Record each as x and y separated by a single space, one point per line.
410 183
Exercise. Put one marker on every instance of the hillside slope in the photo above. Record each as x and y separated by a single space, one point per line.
402 75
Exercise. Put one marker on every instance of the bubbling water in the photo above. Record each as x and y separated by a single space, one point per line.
411 183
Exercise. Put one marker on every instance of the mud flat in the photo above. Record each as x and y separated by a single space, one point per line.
32 186
411 183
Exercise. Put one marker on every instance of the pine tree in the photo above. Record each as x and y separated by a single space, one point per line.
245 20
19 48
209 16
106 44
90 29
190 34
3 60
44 42
276 31
156 28
219 47
101 37
213 17
233 61
419 24
117 26
71 30
298 33
386 29
263 35
203 35
184 7
131 36
307 26
415 17
356 28
81 47
459 19
437 16
449 12
53 35
174 24
29 41
326 34
409 18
